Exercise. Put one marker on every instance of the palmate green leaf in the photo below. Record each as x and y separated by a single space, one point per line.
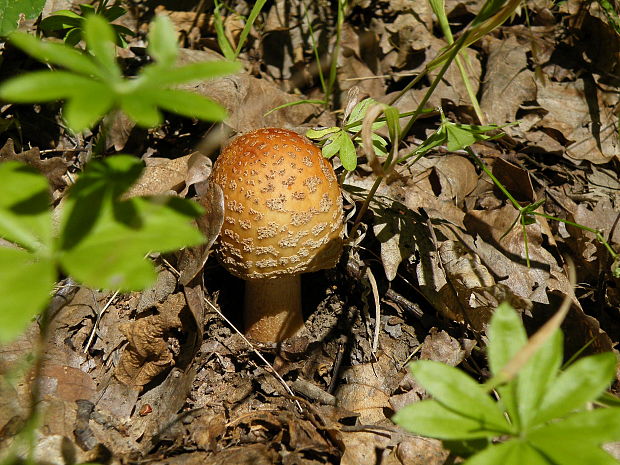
189 104
583 381
101 42
460 393
163 41
104 240
513 452
433 419
123 234
26 281
57 54
11 11
44 86
24 207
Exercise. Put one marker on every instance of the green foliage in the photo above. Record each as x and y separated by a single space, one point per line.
340 141
11 10
540 416
225 46
93 84
102 239
71 24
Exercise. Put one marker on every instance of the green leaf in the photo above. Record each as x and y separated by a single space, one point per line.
594 427
332 145
114 12
141 109
258 6
359 111
11 10
432 418
320 133
189 104
572 451
99 228
24 207
44 86
222 40
513 452
460 393
537 376
123 234
434 140
163 41
194 72
101 42
57 54
61 19
348 155
84 110
26 281
583 381
506 337
458 138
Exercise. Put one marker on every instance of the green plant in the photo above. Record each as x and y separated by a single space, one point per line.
71 24
93 84
100 240
228 49
540 416
12 11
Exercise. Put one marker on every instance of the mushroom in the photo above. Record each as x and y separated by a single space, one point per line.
283 217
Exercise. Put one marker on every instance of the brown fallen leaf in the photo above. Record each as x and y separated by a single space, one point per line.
148 353
53 168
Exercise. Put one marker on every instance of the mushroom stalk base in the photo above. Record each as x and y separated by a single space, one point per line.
272 309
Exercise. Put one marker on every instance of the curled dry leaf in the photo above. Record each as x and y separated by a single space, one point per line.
160 176
53 169
148 353
453 177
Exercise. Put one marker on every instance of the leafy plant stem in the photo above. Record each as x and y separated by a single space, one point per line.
484 168
599 235
430 90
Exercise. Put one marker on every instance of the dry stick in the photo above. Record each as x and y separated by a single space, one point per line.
271 369
375 293
517 362
99 315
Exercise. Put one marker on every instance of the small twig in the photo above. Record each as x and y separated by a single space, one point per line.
99 315
375 293
270 368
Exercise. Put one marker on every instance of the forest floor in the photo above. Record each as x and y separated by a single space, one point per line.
161 377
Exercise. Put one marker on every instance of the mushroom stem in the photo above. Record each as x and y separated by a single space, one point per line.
272 309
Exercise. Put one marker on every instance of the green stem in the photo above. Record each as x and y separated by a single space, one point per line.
364 207
484 168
